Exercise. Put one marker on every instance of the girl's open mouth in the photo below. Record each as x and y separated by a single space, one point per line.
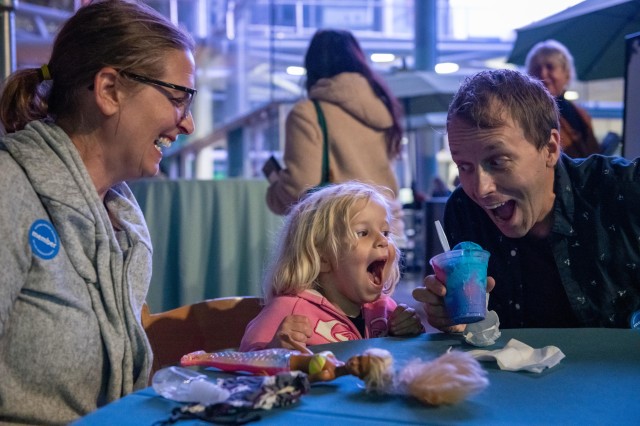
375 270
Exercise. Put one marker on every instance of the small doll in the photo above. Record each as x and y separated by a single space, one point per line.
323 366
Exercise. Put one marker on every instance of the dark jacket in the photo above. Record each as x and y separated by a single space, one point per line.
595 241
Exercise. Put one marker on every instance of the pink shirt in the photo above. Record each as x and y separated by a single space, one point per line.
328 322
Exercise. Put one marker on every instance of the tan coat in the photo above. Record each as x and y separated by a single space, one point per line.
356 120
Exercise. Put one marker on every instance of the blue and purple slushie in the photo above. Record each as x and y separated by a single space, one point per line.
464 272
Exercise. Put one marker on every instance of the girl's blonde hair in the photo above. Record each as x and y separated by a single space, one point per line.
319 225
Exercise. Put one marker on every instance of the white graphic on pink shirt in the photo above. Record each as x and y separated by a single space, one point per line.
379 327
334 331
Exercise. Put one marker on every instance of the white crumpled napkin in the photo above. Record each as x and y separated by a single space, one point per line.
519 356
483 333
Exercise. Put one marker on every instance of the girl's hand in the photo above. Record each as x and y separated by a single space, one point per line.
293 333
404 321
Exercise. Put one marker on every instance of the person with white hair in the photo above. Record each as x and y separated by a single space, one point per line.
552 63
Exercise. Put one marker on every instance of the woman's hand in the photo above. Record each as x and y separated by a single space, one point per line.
404 321
293 333
432 295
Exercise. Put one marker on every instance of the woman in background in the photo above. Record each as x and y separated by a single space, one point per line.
363 123
551 62
76 252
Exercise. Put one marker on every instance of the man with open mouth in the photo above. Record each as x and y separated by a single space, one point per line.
564 234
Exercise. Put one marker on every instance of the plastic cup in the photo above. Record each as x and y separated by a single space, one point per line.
464 272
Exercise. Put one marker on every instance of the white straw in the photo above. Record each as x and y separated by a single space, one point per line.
443 238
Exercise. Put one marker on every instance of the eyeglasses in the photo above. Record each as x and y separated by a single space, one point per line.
183 103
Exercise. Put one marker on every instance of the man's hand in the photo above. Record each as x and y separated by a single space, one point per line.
432 295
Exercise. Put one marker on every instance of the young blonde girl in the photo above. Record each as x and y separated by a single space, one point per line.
335 267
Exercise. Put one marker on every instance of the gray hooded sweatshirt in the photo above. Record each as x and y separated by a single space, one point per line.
71 286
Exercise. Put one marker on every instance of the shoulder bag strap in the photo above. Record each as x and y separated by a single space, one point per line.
325 143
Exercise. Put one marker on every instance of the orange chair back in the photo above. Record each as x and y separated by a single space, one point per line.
211 325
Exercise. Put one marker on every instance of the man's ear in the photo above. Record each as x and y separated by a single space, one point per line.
325 265
552 149
105 90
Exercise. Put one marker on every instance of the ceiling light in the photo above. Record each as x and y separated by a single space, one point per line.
292 70
447 67
571 95
383 57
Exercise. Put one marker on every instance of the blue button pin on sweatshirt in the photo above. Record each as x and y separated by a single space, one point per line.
635 320
44 239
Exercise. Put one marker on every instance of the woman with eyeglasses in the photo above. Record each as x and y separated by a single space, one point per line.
75 250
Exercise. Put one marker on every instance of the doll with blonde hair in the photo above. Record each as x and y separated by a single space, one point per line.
334 269
447 379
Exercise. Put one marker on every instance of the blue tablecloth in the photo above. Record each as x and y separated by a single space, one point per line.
210 238
598 383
